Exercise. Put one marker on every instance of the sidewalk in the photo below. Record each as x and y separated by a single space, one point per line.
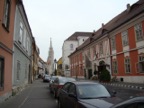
126 85
122 84
35 95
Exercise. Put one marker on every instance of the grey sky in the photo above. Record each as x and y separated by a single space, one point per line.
58 19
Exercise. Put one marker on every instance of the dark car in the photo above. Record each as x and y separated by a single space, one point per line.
136 102
46 78
86 94
58 84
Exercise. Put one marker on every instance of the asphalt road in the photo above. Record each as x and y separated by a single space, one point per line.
36 95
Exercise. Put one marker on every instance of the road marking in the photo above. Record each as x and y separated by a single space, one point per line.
23 102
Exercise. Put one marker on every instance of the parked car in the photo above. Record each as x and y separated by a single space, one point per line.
86 94
136 102
46 78
51 82
58 84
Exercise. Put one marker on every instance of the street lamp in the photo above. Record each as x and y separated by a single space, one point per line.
55 62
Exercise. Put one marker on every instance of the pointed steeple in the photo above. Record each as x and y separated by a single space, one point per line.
50 59
50 43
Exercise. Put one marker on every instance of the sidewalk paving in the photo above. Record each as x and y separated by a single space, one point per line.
126 85
139 86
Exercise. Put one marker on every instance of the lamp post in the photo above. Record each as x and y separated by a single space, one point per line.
55 62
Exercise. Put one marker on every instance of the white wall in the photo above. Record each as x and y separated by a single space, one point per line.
66 49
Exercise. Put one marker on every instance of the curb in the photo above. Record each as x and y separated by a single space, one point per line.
124 85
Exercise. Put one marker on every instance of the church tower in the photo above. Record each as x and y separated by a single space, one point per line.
50 60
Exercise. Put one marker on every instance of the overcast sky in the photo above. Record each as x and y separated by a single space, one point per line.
58 19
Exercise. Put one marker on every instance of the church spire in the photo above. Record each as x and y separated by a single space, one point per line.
50 59
50 43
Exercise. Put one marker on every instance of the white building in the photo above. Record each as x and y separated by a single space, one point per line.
69 46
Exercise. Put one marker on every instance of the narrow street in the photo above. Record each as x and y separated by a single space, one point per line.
36 95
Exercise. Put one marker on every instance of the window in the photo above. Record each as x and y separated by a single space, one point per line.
71 46
6 18
72 89
66 87
141 63
125 38
25 70
113 44
18 70
24 38
28 43
1 73
115 67
20 33
66 66
101 48
138 32
127 65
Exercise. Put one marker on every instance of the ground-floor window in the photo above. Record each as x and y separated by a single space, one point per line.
127 65
1 73
115 68
141 64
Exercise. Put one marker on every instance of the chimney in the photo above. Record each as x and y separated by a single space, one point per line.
128 7
103 25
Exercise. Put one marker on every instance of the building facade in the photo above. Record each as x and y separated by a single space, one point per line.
7 15
91 56
35 59
59 67
22 56
117 45
69 46
127 45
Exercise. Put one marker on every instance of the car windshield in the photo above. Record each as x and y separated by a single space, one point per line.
53 77
64 80
92 91
47 76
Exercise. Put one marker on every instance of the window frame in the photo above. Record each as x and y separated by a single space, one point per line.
101 47
2 65
113 43
115 67
124 36
141 60
24 38
127 65
21 31
6 15
138 30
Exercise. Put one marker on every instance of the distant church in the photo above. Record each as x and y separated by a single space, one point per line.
50 60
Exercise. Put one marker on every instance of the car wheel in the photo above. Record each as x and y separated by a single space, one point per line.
59 104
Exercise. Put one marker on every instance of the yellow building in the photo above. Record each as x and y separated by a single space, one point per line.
59 67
